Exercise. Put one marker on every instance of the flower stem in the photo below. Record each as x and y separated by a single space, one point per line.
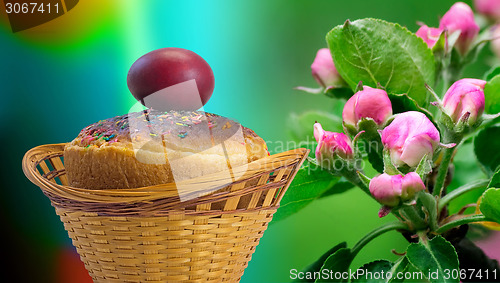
446 82
353 177
460 191
410 212
443 171
377 232
461 221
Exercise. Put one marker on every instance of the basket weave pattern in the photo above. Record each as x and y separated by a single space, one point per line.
148 234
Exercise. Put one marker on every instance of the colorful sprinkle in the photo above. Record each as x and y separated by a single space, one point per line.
226 126
118 128
211 124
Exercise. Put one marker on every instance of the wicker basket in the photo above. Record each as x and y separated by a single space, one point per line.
148 234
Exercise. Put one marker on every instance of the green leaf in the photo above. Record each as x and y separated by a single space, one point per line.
359 87
339 92
368 272
424 167
490 204
364 179
495 181
486 145
389 167
316 266
371 143
492 95
439 48
310 183
436 259
370 127
376 160
401 103
493 72
300 127
375 51
341 186
337 262
399 267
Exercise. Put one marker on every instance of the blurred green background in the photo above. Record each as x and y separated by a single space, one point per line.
61 76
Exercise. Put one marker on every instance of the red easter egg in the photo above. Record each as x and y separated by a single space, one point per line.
171 79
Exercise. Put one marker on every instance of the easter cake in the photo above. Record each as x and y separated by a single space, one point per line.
153 147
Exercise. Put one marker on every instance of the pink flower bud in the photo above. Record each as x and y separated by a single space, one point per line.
386 189
460 18
324 71
465 96
331 144
391 190
429 35
409 138
495 43
489 8
369 103
412 184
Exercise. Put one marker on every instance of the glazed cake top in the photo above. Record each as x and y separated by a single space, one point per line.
180 129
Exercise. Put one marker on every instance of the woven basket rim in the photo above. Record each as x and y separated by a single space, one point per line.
208 182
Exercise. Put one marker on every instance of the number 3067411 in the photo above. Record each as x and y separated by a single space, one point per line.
31 8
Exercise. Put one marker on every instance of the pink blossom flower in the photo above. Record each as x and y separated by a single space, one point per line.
465 96
369 103
429 35
489 8
410 137
391 190
331 145
324 71
460 18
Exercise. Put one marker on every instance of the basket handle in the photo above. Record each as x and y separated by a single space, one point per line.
34 156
